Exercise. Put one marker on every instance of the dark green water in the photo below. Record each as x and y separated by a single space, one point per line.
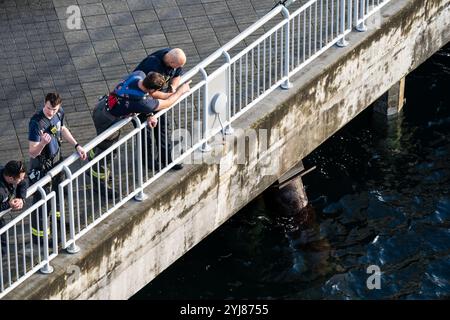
380 196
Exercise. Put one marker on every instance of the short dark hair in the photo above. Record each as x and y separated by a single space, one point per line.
14 169
154 80
54 99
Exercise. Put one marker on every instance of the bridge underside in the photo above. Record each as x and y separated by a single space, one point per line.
134 245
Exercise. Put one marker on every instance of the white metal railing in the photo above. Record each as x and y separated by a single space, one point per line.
363 9
19 256
251 74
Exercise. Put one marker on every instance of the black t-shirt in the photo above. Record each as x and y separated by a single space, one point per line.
51 126
154 62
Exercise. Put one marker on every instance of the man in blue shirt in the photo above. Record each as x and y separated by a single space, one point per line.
46 130
169 62
133 95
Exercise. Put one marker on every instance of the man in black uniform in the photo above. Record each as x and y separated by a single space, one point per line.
168 62
13 190
46 130
131 96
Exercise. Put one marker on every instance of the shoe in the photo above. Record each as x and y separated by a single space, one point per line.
178 166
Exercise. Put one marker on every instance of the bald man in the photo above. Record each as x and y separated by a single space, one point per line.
169 62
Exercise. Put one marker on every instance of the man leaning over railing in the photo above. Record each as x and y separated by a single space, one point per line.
131 96
13 191
169 62
46 130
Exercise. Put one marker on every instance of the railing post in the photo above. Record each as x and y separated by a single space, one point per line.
47 268
73 248
62 215
141 196
286 84
342 42
205 146
350 14
55 223
228 129
360 12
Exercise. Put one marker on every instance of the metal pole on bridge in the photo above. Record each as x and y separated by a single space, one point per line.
286 84
47 268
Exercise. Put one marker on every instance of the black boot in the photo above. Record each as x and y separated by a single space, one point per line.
3 238
108 191
37 239
178 166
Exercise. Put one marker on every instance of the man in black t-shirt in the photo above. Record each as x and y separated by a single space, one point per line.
45 134
168 62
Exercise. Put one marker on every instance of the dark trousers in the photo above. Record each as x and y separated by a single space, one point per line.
37 219
3 236
161 142
102 121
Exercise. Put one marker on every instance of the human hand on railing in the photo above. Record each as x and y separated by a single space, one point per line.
82 153
16 204
152 121
184 87
45 138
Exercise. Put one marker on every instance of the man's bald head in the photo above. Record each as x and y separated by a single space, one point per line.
175 58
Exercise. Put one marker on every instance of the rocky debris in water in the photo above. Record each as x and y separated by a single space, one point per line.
442 213
436 240
437 279
351 208
339 268
333 209
437 176
332 230
381 214
360 236
338 287
390 250
307 236
354 208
